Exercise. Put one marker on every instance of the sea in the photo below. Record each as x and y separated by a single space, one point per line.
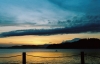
49 56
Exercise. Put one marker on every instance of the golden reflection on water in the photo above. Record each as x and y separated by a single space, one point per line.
46 57
38 57
11 58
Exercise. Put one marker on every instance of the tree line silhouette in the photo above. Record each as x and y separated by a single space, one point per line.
86 43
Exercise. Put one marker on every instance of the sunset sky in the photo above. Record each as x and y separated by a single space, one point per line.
37 22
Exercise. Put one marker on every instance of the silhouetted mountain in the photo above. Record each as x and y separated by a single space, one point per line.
90 43
73 40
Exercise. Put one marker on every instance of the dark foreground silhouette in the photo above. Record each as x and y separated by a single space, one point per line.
91 43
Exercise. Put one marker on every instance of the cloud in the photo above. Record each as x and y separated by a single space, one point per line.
67 30
84 6
15 12
71 14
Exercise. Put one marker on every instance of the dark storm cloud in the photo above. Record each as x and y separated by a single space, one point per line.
78 29
77 16
85 6
14 12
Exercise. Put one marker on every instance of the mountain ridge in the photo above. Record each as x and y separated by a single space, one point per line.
87 43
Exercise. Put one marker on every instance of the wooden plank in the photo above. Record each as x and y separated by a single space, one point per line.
24 58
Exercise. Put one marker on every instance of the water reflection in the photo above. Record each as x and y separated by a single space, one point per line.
50 56
11 58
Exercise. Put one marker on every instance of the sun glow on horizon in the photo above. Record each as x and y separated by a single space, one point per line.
39 40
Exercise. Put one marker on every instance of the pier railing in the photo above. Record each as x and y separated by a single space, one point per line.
24 57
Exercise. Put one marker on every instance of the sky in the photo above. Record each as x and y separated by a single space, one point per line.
48 21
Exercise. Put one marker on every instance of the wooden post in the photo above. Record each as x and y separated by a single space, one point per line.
24 58
82 58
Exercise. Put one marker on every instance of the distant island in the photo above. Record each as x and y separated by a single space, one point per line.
86 43
26 47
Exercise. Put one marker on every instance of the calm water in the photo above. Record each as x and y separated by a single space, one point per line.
50 56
